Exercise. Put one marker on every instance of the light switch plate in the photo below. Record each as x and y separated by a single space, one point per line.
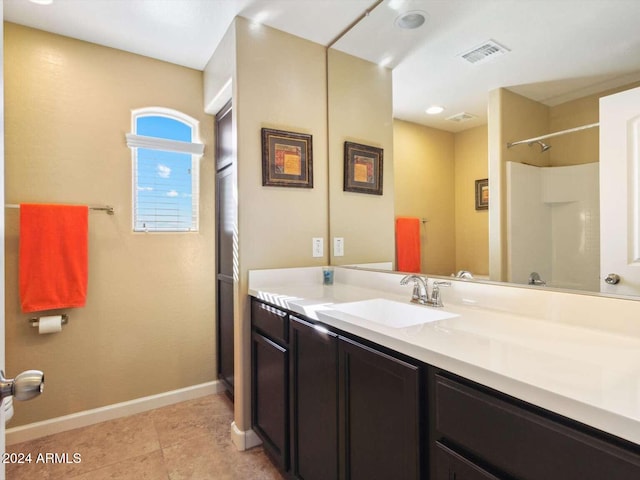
317 246
338 246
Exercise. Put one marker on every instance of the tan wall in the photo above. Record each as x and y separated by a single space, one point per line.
579 147
360 111
281 83
583 146
512 117
435 173
522 118
148 325
471 225
425 188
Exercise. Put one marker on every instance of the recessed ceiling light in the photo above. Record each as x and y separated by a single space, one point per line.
42 2
385 61
411 20
435 109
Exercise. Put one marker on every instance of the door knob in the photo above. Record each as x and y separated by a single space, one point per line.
29 384
612 279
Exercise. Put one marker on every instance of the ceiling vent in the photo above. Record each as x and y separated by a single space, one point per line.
482 53
461 117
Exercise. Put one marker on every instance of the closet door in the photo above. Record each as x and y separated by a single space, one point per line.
226 220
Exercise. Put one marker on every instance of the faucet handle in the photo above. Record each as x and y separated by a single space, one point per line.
436 298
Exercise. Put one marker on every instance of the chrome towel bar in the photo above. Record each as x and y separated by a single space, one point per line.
103 208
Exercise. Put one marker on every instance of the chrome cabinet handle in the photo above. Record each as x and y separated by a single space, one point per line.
612 279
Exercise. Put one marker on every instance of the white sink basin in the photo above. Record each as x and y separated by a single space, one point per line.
385 312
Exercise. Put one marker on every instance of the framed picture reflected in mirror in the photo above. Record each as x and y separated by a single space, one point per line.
482 194
362 168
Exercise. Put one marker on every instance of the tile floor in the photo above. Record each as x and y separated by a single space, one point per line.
188 440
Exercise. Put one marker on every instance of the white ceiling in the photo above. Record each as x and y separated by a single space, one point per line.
559 49
184 32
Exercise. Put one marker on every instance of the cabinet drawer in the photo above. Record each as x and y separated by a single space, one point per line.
452 466
524 444
270 321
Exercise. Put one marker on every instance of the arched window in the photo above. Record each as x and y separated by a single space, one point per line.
166 155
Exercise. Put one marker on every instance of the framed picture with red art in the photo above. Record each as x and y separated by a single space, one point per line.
482 194
287 159
362 168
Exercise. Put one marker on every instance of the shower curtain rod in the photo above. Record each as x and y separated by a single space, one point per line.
549 135
102 208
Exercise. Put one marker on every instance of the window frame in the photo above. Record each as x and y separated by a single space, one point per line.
194 148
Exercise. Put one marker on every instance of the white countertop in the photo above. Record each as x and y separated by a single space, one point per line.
588 374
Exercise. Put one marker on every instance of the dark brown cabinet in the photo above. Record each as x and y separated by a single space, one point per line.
295 403
270 397
270 381
379 415
329 405
521 441
314 401
351 412
452 466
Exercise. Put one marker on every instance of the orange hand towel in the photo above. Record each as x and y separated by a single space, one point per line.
53 256
408 244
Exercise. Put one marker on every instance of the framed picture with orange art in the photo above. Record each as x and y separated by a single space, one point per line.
482 194
362 168
287 159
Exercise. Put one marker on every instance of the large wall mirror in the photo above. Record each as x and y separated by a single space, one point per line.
503 72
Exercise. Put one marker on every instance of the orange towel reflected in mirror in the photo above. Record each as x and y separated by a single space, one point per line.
408 244
53 256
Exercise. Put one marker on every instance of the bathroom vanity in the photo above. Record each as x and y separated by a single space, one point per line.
316 392
477 393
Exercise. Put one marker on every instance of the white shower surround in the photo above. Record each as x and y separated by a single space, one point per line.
553 224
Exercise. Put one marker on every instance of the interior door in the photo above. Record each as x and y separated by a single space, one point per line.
226 221
620 193
2 413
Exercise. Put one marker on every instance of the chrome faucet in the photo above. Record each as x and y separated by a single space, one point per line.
464 274
534 279
420 292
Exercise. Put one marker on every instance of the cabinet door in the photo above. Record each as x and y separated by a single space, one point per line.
314 396
379 415
452 466
270 401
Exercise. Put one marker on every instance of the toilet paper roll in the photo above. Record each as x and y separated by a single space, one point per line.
52 324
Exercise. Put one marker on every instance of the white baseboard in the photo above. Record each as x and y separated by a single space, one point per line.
85 418
244 440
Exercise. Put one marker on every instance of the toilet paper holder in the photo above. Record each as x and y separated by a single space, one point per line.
35 322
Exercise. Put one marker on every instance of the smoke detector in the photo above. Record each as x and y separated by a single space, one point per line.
482 53
461 117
